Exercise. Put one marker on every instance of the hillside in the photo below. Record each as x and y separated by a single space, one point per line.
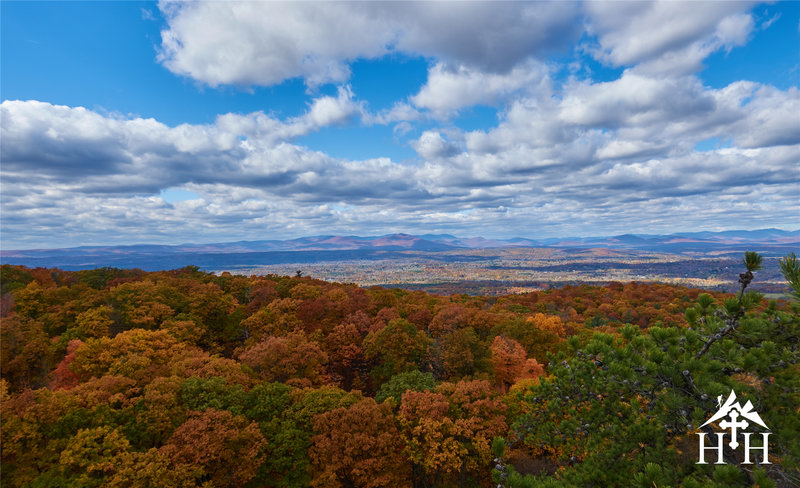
177 378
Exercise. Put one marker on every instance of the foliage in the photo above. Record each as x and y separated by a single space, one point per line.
225 447
357 445
292 359
623 405
511 363
128 378
403 382
790 267
399 347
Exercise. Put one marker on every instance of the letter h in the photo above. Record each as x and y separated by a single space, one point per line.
763 448
719 447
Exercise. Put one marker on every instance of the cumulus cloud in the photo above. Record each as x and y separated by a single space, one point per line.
94 153
327 110
264 43
774 116
491 36
635 117
634 138
431 145
666 37
400 112
633 99
87 177
448 90
722 169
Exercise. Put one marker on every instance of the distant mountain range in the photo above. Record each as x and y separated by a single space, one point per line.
309 249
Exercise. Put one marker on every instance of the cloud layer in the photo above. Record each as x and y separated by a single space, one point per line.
551 166
264 43
651 150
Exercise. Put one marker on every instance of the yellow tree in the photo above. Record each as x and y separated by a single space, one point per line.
448 432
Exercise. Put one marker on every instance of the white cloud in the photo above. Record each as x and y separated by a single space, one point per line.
96 178
399 112
767 23
564 154
327 111
665 37
431 145
633 99
264 43
332 111
636 125
490 36
773 118
94 153
448 90
620 149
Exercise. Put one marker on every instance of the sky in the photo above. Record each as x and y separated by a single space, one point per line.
177 122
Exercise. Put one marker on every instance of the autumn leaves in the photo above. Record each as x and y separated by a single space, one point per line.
124 378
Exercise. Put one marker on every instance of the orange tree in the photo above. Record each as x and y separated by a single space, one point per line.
357 445
448 432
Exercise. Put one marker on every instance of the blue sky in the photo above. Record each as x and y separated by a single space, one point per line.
130 122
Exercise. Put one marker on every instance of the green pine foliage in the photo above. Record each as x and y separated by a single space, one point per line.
628 406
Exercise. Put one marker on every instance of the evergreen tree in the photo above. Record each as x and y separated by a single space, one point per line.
627 407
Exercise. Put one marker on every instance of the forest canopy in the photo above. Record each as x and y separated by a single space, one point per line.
124 378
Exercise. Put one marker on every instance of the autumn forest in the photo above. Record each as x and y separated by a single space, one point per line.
125 378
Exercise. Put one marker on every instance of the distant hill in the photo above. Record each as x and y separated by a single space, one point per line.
771 242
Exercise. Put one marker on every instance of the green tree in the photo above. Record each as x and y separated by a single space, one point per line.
403 382
619 404
399 347
89 457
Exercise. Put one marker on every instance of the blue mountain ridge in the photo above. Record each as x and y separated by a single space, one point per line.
332 248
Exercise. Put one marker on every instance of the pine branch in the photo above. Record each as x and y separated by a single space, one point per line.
752 262
732 323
